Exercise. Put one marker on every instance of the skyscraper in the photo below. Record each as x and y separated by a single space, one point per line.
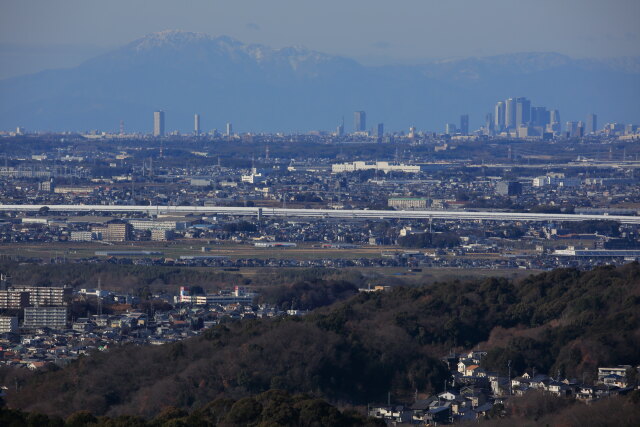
360 121
380 130
464 124
554 119
523 111
196 124
539 116
489 123
229 129
592 123
158 123
450 129
510 114
499 116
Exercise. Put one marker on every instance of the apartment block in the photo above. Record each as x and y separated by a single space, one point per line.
45 317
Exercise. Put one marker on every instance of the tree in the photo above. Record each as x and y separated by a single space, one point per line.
80 419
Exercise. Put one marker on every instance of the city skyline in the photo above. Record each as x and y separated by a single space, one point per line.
425 96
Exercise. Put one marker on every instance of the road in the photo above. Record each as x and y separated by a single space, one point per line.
326 213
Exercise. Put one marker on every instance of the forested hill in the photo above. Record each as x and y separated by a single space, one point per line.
357 350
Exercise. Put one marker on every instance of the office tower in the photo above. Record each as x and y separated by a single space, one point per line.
499 116
554 121
572 129
450 128
229 129
523 111
380 130
360 121
539 116
630 129
489 124
340 130
158 123
464 124
196 124
510 114
509 188
592 123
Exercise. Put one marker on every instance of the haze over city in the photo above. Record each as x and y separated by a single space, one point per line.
437 45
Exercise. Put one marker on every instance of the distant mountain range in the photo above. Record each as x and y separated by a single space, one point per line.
258 88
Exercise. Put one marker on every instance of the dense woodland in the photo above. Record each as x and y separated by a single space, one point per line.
357 350
271 408
278 408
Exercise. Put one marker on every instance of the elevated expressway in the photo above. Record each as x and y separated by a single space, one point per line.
324 213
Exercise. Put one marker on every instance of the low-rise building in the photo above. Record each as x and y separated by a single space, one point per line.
114 232
407 202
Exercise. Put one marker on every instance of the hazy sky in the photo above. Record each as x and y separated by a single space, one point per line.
39 34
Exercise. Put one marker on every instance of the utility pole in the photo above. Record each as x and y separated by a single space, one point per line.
99 297
510 390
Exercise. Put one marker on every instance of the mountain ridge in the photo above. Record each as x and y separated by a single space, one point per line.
260 88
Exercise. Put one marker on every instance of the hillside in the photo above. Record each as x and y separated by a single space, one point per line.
358 350
259 88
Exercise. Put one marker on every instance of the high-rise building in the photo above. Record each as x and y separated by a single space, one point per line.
450 129
340 130
523 111
554 121
158 123
510 114
572 129
499 116
229 129
539 116
592 123
360 121
464 124
489 123
196 124
380 130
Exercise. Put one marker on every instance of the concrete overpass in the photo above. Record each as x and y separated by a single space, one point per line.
324 213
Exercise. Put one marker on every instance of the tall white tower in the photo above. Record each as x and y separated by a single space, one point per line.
196 124
158 123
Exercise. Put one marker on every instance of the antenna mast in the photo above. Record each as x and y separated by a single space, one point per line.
99 297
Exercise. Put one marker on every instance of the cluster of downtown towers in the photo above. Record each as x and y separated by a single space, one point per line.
508 116
515 113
